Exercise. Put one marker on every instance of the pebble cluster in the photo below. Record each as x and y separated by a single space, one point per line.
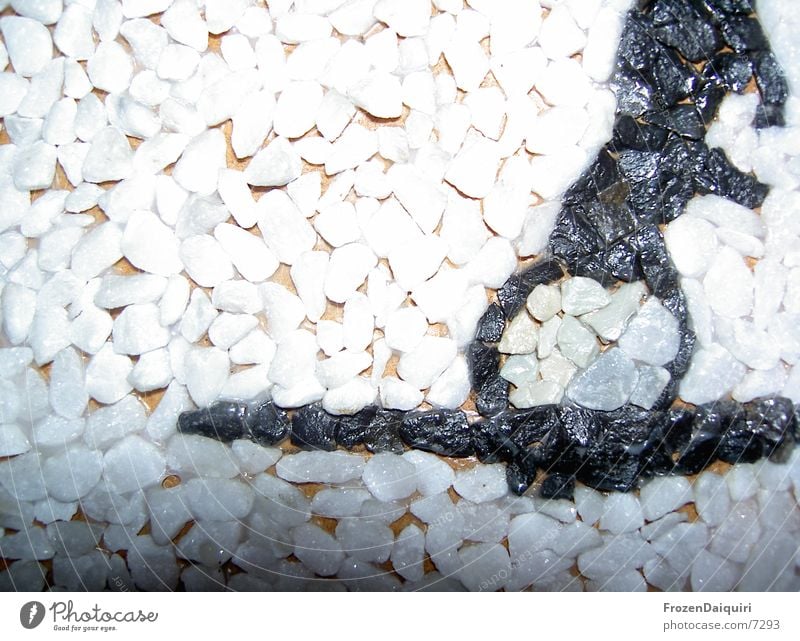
436 183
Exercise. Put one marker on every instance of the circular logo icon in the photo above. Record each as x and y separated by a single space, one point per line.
31 614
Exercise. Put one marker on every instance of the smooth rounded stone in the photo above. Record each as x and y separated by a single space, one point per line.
520 369
711 498
589 503
253 458
150 245
21 477
752 346
197 170
275 165
424 364
729 285
137 330
405 328
219 499
534 569
621 513
399 395
742 482
663 576
317 549
713 372
408 553
772 476
618 553
133 464
736 537
651 384
23 576
664 494
207 371
434 475
481 483
653 335
74 538
485 567
72 473
210 543
692 244
577 342
520 336
581 295
366 540
626 581
535 394
681 544
320 467
191 455
110 157
169 512
28 545
28 42
607 384
13 440
544 302
390 477
452 388
712 573
485 523
337 503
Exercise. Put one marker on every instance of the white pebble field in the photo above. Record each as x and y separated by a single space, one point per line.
314 201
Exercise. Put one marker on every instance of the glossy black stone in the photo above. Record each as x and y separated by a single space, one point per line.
769 116
514 292
314 429
601 174
492 397
635 95
491 325
629 133
558 486
483 362
384 432
743 33
708 99
267 423
491 442
520 474
732 70
444 432
684 120
769 78
729 182
681 26
224 421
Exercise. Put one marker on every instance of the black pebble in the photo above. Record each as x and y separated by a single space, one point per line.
223 421
491 325
492 397
314 429
558 486
769 78
267 423
444 432
733 71
743 33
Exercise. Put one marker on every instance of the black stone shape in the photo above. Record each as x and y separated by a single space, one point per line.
608 229
444 432
558 486
267 423
314 429
224 421
731 70
491 325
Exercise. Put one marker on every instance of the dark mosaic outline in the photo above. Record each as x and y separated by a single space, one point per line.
677 60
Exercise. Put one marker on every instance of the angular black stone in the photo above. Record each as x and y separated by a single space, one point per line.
444 432
769 116
514 292
612 221
622 262
601 175
671 79
722 9
224 421
520 474
491 442
314 429
680 25
683 120
637 46
573 237
703 446
708 99
733 71
384 432
629 133
769 78
491 325
635 95
267 423
742 33
483 362
731 183
492 397
558 486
